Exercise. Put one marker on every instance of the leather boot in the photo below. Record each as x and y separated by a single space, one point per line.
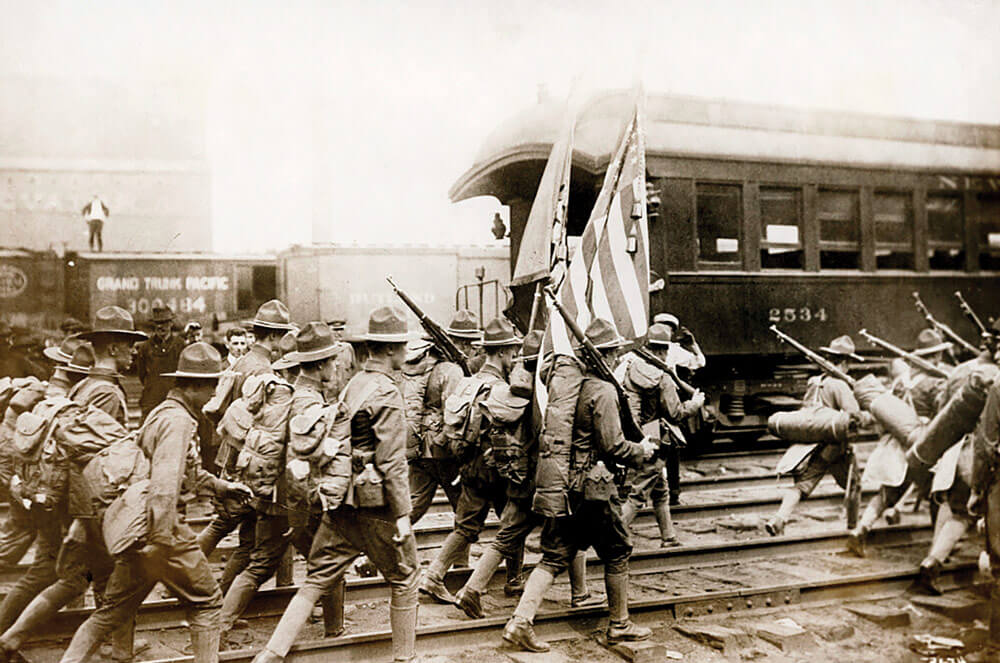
432 583
333 610
514 585
296 615
205 645
926 582
469 596
856 540
404 633
621 628
520 633
239 596
668 536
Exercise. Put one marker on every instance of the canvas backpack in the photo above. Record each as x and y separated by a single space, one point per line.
508 437
415 376
261 461
463 418
554 476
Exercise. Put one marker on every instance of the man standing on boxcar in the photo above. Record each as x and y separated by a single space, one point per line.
95 213
374 518
155 357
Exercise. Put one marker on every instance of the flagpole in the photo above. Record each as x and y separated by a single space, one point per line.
536 305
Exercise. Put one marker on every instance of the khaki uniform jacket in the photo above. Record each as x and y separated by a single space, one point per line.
597 429
104 393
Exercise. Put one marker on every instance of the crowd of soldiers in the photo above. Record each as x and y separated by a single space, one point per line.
314 449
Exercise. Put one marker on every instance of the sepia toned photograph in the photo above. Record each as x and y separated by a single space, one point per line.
500 332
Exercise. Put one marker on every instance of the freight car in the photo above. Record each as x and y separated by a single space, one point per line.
820 222
39 289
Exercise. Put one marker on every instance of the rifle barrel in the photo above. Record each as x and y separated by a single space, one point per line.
916 360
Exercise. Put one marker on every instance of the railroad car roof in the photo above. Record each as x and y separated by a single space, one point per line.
733 130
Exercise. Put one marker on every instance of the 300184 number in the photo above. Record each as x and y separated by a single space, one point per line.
144 305
803 314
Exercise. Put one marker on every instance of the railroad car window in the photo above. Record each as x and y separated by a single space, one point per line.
893 230
839 230
780 228
719 213
945 232
989 232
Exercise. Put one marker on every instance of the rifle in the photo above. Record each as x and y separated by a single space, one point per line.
971 315
438 335
649 357
593 357
814 357
941 327
916 360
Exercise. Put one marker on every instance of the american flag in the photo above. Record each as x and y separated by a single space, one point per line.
608 274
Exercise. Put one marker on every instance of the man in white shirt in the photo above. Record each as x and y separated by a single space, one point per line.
236 344
684 352
96 213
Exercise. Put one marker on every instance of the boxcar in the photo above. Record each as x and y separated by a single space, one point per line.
820 222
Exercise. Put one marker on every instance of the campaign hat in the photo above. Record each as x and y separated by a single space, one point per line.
197 360
314 342
499 332
842 346
112 321
464 324
63 352
82 360
161 314
272 314
930 341
532 345
602 334
667 319
387 324
659 334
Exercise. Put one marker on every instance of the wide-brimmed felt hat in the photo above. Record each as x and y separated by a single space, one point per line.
603 334
930 341
197 360
842 346
82 360
499 332
387 324
531 345
314 342
112 321
63 352
659 334
464 324
666 319
161 314
272 315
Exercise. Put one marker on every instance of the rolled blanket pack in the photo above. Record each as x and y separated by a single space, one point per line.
811 425
896 416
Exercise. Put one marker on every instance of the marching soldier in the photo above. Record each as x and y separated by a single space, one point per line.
373 518
598 439
428 381
482 485
156 356
269 326
654 400
112 337
315 357
170 554
514 438
925 388
833 458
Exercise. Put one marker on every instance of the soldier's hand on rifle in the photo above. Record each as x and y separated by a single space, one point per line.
698 398
403 529
649 448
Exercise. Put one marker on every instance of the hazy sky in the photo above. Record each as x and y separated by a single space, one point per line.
410 88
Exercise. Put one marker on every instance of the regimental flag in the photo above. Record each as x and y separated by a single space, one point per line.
608 274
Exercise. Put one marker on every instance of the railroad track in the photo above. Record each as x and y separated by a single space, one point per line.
444 630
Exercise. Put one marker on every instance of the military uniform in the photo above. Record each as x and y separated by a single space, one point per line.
154 357
378 433
832 458
104 392
172 556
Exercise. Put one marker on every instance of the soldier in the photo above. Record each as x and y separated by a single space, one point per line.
345 361
653 398
112 336
833 458
514 437
315 358
156 356
373 409
170 554
482 485
61 380
598 438
428 381
924 388
269 325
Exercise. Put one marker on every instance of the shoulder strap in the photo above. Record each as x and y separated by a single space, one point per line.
358 400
